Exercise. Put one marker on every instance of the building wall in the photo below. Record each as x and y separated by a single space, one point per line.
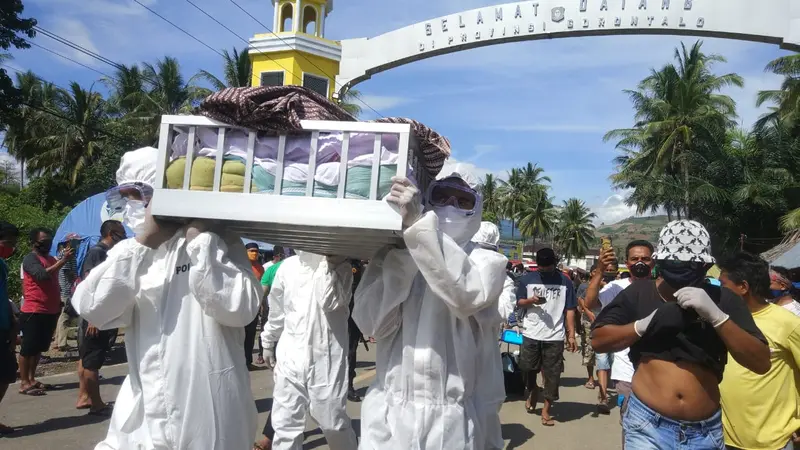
294 66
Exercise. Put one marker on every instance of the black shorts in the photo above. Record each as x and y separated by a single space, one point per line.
37 332
8 359
94 349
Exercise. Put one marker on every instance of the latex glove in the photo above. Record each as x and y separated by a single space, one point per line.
269 358
668 320
196 227
698 300
156 232
406 197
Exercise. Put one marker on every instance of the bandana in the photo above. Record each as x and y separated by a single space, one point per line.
776 277
686 241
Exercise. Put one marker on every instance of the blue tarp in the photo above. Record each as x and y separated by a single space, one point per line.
790 259
85 220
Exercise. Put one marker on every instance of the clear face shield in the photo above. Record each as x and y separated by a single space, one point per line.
130 199
453 192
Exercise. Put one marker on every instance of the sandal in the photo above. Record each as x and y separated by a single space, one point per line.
590 385
548 422
33 391
105 411
258 447
44 386
4 430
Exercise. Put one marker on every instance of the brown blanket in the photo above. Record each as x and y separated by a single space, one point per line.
279 109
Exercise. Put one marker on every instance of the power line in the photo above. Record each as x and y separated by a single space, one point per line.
55 114
301 55
68 58
77 47
179 28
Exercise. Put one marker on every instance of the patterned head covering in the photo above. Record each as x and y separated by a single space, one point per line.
684 240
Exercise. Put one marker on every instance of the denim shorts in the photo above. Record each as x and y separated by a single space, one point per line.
603 361
646 429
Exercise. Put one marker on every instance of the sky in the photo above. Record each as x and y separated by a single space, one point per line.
548 102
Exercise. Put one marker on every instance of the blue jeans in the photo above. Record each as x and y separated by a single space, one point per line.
646 429
603 361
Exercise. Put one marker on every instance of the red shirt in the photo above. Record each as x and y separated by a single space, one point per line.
41 296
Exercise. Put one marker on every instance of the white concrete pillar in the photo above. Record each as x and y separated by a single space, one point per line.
321 21
297 22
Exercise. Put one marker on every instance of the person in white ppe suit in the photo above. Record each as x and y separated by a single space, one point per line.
422 305
308 311
490 391
184 295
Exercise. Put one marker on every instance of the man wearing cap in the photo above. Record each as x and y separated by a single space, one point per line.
680 331
251 329
547 300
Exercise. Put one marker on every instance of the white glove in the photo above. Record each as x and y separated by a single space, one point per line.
196 227
640 326
698 299
406 197
269 357
155 232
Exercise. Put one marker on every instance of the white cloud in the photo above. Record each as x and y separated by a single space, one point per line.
613 210
382 102
75 31
474 172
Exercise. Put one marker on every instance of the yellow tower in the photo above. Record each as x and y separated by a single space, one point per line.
297 53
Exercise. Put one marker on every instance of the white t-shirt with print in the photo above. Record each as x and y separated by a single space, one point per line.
622 368
546 322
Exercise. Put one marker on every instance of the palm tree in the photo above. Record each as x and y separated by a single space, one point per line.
786 100
75 137
237 68
489 192
538 218
347 100
575 229
679 115
19 134
513 196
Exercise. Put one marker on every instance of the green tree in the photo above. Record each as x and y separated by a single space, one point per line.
490 194
680 118
575 229
350 101
538 217
74 137
13 31
237 69
784 102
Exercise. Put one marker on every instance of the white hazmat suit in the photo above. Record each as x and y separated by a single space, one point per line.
490 390
184 306
308 311
422 305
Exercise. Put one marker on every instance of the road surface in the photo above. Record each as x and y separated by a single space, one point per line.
52 421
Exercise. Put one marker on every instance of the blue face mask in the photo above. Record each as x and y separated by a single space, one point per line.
776 293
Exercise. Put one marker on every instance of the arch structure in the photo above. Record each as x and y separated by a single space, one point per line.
771 21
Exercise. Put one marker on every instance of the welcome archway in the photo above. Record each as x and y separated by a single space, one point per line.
769 21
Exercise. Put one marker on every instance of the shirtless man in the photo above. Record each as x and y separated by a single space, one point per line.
680 331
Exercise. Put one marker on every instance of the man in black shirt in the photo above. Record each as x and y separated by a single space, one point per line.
94 344
680 331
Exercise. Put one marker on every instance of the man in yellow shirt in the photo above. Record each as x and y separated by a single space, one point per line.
761 412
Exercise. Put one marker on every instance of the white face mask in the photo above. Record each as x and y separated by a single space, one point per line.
133 216
457 223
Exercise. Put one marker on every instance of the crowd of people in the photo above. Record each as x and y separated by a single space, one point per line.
695 364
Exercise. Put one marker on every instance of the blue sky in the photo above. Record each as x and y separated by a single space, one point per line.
548 102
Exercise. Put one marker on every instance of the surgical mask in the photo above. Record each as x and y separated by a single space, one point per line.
640 270
609 276
134 216
682 275
456 223
6 252
778 293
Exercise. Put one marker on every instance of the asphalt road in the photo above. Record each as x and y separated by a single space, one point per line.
44 423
